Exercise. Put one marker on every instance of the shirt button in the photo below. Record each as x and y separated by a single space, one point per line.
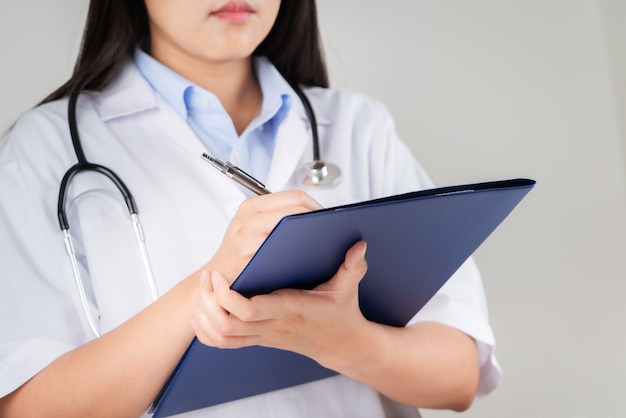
261 128
237 157
205 103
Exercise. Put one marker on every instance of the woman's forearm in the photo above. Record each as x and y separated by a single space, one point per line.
426 365
116 375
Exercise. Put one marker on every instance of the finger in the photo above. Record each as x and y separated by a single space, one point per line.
282 199
214 325
352 271
208 310
254 311
214 339
237 305
276 305
264 222
254 222
355 258
214 336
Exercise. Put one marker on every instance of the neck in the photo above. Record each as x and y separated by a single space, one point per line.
233 82
237 88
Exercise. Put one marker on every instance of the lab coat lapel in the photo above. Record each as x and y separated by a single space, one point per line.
130 94
181 133
292 141
293 138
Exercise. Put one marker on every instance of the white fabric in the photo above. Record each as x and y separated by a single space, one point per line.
184 206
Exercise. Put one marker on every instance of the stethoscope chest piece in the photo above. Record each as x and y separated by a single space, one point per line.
320 174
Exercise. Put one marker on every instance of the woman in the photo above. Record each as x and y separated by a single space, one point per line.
174 79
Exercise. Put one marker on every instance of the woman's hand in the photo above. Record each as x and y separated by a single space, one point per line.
319 323
254 220
426 364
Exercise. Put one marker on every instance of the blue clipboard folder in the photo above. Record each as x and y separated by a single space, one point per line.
416 241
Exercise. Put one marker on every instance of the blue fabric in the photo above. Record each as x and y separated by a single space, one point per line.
252 150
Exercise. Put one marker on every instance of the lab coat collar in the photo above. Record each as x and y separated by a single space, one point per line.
128 94
292 139
324 114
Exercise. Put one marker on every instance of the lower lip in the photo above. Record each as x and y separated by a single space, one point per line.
234 17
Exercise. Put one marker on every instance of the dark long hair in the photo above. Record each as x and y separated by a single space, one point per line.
114 28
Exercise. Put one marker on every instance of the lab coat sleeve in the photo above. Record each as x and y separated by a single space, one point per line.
38 321
461 301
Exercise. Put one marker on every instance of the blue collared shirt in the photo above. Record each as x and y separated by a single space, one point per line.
252 150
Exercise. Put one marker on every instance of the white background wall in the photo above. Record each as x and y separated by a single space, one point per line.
481 90
487 89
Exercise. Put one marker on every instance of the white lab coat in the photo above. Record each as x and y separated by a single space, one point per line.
184 207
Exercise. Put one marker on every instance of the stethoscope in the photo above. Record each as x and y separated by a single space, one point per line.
317 174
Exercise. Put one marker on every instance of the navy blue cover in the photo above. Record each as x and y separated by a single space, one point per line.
416 241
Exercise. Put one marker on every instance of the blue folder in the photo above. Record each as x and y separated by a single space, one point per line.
416 241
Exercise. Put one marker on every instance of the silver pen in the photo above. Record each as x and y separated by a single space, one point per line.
237 174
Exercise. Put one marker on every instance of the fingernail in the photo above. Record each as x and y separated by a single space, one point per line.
363 250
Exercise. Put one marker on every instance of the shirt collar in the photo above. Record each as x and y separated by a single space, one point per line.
168 83
277 94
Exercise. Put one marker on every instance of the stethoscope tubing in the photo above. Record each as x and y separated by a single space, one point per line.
310 114
83 165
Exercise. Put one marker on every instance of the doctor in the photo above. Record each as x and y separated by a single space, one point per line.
175 79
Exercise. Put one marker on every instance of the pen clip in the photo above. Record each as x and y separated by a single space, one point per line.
245 176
